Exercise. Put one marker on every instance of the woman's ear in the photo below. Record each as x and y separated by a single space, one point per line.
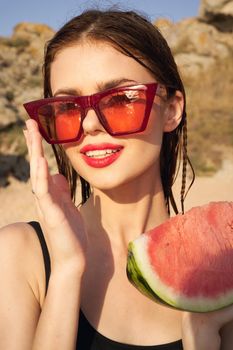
173 111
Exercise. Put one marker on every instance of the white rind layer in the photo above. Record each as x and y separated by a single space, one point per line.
168 294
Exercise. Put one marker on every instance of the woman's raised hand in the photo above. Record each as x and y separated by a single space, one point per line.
60 219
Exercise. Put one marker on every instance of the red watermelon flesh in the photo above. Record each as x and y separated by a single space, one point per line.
187 262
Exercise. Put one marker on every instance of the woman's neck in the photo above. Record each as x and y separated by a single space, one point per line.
127 211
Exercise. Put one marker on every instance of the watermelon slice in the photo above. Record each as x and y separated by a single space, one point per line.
187 262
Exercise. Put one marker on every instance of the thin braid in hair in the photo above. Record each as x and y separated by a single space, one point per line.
184 166
186 161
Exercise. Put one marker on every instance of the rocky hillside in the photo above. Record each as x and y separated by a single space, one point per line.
20 80
203 49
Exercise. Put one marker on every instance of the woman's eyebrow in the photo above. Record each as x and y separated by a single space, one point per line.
67 91
100 86
114 83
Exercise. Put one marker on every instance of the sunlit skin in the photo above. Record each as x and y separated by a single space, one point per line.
127 195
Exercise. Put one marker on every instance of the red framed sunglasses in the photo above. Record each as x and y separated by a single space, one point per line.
121 111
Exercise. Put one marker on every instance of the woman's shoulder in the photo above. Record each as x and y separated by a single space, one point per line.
17 238
17 233
21 255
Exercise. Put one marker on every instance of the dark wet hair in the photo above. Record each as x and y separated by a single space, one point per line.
136 37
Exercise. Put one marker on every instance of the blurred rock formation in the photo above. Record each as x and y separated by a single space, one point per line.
203 41
219 13
21 58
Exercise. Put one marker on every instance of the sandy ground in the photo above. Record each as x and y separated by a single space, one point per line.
17 202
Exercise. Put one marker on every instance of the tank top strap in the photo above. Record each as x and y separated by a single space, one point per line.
45 251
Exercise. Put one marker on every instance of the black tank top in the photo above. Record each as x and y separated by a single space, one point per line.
88 337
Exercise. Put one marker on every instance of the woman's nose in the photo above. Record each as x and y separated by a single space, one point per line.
91 123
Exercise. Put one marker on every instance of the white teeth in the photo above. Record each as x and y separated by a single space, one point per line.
100 153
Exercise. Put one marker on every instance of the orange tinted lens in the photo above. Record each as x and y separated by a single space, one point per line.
124 111
61 121
68 124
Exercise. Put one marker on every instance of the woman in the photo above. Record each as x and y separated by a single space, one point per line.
116 119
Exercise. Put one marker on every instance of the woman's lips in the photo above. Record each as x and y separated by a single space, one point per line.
101 155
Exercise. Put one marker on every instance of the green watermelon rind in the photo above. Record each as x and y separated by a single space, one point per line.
142 275
135 276
139 275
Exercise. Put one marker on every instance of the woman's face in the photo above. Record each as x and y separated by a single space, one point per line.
86 69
